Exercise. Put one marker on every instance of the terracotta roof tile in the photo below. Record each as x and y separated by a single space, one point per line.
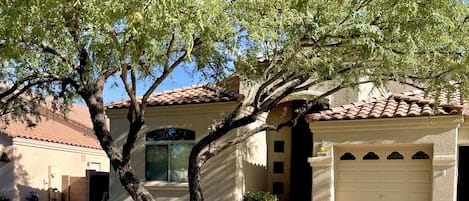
186 95
407 104
52 127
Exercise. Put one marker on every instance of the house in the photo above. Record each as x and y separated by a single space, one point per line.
176 119
36 157
400 147
396 147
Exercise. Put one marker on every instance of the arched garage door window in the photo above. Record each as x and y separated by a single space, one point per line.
167 154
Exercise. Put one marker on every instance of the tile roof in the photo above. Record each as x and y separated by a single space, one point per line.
407 104
52 127
188 95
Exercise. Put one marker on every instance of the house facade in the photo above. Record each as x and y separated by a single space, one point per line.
36 156
397 147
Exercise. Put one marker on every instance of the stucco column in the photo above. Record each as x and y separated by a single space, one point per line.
323 178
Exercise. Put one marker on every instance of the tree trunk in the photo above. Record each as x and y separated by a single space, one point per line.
195 189
196 163
124 171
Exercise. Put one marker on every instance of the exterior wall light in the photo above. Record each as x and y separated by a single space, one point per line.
322 149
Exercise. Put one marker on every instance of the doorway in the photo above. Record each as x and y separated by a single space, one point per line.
463 173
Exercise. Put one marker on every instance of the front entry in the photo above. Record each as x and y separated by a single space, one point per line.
463 174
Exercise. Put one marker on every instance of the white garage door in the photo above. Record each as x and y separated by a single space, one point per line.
399 173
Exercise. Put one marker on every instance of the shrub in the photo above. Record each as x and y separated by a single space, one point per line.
259 196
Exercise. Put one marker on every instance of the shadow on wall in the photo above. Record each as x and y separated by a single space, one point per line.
12 174
15 182
218 174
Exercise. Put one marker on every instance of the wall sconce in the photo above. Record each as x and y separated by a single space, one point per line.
4 158
322 149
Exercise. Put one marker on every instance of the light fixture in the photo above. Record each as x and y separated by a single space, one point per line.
322 149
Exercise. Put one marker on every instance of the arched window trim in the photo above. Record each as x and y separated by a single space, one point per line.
347 156
170 134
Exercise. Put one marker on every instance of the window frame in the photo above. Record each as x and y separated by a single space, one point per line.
168 144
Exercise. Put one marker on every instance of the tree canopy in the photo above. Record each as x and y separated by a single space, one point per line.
69 50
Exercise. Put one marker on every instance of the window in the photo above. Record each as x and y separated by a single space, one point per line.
420 155
167 153
371 156
278 167
395 156
347 156
279 146
277 188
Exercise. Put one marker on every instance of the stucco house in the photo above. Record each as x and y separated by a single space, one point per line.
176 119
396 147
35 155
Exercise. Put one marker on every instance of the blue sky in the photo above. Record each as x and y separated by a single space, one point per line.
178 78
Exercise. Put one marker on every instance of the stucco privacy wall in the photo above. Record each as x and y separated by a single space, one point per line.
7 169
40 165
221 176
439 132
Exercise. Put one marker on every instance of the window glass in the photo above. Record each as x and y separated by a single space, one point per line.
371 156
347 156
170 134
179 161
395 156
420 155
167 154
157 162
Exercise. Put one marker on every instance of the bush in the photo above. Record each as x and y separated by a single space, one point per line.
259 196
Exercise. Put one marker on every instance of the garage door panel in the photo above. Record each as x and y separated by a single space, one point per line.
371 175
395 176
370 195
348 175
384 179
349 195
419 196
420 176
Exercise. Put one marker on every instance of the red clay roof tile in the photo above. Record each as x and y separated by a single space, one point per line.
186 95
52 127
407 104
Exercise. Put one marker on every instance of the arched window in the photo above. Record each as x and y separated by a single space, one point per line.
167 154
395 156
347 156
371 156
420 155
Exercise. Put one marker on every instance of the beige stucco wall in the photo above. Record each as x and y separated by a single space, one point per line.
6 169
221 176
39 165
439 132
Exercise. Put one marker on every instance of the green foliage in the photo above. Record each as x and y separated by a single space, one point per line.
259 196
347 41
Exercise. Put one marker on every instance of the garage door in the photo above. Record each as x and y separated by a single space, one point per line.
399 173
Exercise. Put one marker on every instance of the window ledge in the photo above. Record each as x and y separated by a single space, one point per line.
166 186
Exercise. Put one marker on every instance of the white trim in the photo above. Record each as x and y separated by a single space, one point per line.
18 141
404 123
166 186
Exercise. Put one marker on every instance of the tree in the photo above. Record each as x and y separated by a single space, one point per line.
334 45
69 50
